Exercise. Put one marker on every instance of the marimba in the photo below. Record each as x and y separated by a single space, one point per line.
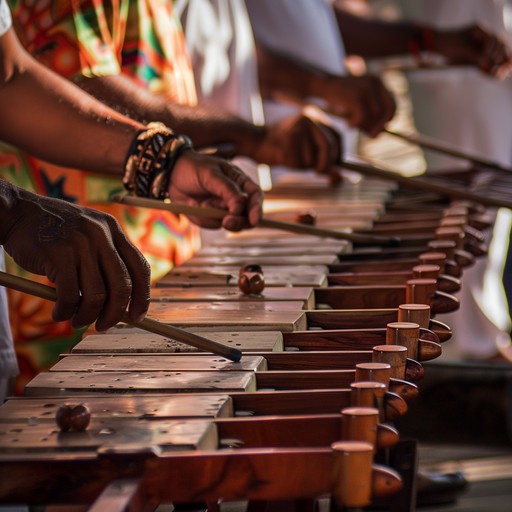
333 349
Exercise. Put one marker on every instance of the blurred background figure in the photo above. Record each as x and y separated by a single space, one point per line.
471 108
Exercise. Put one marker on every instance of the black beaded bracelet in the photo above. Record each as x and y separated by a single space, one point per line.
151 159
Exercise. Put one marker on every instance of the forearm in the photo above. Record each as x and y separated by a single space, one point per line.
205 124
372 38
54 120
281 75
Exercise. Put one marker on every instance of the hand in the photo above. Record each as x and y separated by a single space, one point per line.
96 270
215 183
300 142
362 100
476 46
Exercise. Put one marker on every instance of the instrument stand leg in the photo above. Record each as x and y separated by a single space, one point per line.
404 459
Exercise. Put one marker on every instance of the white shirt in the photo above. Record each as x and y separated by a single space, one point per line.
8 364
221 47
5 17
305 30
467 109
472 111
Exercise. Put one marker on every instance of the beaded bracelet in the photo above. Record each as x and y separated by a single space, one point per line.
151 159
422 40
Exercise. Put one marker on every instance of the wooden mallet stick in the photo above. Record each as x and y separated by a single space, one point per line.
435 145
216 213
47 292
427 184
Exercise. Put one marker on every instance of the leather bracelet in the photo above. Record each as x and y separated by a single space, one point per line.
151 159
172 150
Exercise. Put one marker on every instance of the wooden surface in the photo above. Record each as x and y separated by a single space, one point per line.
228 276
42 410
263 260
293 243
315 383
78 383
241 320
291 360
160 308
125 340
232 294
255 251
256 474
81 383
141 363
110 434
361 297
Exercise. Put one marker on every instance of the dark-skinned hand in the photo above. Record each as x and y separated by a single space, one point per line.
363 101
475 46
97 272
302 143
206 181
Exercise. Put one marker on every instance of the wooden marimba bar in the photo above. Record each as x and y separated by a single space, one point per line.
306 411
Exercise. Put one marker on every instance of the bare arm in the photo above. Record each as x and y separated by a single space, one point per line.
54 120
370 37
205 124
277 144
362 100
472 45
97 272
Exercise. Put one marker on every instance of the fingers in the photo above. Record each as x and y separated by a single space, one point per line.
254 206
327 145
365 103
381 107
139 274
496 55
206 181
103 277
245 208
388 103
93 289
67 288
98 278
327 161
491 54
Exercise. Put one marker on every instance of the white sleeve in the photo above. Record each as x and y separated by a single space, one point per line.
5 17
304 29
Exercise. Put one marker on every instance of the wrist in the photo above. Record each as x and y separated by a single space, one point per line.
251 139
9 200
423 39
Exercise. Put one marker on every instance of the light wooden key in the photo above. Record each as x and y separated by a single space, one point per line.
268 249
42 410
183 363
156 308
340 330
233 294
228 276
125 341
264 260
240 320
292 243
112 435
79 384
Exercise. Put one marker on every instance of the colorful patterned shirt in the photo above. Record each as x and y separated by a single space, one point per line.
93 38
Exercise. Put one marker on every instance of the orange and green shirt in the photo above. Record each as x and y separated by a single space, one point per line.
141 39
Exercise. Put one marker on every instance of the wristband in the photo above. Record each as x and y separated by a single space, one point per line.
151 159
422 40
